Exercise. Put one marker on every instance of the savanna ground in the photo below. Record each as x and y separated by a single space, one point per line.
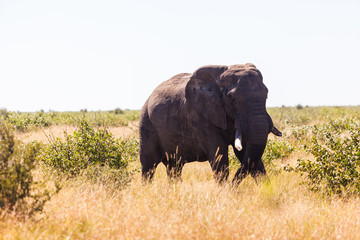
197 207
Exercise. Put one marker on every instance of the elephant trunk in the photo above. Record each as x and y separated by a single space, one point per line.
258 123
258 126
257 129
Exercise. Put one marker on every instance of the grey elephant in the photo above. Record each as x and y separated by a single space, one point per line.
195 117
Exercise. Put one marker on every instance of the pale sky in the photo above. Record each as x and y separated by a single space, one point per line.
99 55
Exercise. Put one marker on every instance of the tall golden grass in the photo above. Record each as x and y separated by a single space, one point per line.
195 208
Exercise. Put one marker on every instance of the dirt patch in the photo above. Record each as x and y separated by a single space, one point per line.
132 130
43 135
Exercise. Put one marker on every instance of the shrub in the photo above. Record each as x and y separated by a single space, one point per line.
299 107
17 186
118 111
89 149
4 113
276 150
336 149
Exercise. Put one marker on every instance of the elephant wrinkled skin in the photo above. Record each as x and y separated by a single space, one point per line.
195 117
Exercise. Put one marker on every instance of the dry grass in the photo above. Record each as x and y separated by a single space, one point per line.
196 208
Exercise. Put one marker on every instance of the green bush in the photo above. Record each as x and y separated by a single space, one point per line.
118 111
336 149
299 107
4 113
18 190
88 149
276 150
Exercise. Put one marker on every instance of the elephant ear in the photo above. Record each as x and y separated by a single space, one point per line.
203 94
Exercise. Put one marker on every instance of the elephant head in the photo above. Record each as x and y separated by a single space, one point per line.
234 99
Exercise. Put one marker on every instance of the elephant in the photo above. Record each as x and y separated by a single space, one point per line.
196 117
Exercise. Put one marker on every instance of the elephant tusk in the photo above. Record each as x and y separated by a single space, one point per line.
238 145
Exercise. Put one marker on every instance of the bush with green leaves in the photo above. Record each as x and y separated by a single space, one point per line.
88 149
4 113
276 149
336 149
18 190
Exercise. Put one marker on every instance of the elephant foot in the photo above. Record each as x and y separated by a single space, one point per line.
239 176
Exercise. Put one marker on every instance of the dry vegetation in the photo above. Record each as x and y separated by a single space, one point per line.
195 208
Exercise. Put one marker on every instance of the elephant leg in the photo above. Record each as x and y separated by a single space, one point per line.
258 169
241 173
251 163
149 159
174 168
244 169
258 172
150 151
220 164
